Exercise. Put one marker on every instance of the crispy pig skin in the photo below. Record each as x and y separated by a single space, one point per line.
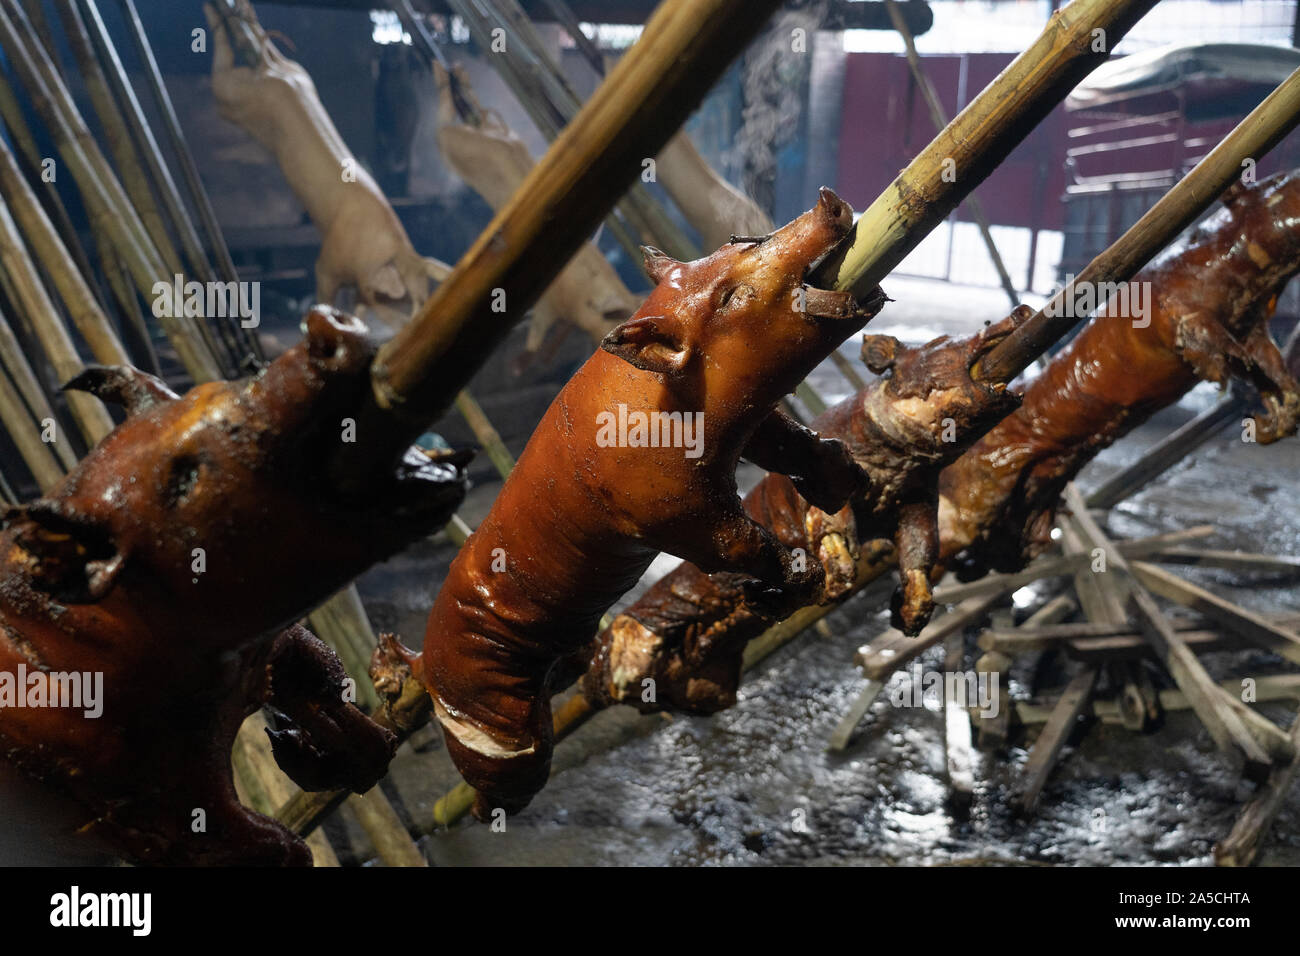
1208 313
174 561
579 520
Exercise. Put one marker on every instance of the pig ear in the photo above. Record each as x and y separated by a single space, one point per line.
648 344
879 352
657 264
122 385
73 560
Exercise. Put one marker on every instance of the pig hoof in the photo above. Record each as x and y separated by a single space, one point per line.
912 604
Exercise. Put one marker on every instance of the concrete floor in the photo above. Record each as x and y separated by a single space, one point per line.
755 785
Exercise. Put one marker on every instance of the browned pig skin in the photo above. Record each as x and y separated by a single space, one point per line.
1208 320
171 561
584 512
680 645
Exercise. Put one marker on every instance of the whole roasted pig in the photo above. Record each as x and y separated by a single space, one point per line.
167 570
638 455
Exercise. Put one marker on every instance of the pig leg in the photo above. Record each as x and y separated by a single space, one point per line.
786 580
320 739
1277 388
822 469
917 540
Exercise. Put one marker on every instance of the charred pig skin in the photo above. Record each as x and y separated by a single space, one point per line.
580 518
174 561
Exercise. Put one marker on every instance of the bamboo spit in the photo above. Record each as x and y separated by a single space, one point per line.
940 118
1259 132
978 140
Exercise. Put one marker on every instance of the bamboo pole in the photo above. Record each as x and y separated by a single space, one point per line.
106 202
25 433
189 170
130 119
91 416
67 280
130 166
1076 40
1259 132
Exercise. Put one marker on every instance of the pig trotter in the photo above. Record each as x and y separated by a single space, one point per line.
918 551
322 741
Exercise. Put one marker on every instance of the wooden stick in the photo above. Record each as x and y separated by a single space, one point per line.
1242 844
1047 748
1177 209
487 436
387 833
978 140
1249 625
1229 560
1225 724
994 730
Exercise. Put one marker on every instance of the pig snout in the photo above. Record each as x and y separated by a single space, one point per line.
336 341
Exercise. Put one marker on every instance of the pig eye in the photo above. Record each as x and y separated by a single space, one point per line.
736 295
184 476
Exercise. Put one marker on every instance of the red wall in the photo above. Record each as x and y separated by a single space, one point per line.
886 123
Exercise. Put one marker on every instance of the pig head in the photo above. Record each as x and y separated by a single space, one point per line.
363 243
171 562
